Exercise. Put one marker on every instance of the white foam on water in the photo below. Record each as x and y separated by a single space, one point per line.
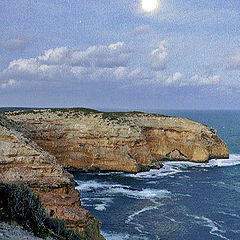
183 195
109 189
229 214
171 219
121 236
214 227
91 185
168 169
105 202
143 194
138 226
131 217
234 159
115 236
173 167
101 205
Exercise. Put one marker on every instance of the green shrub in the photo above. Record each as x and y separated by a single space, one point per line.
19 204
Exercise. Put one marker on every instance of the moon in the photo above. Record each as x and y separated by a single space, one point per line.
150 5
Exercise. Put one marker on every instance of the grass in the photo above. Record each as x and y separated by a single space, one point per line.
20 205
116 115
75 111
84 110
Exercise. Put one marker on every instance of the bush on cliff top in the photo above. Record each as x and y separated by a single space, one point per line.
19 204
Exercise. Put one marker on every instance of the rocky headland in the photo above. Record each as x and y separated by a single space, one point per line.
36 145
131 142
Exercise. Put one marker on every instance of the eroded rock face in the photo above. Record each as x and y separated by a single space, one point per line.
128 142
23 161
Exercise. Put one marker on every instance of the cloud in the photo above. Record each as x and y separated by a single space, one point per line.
142 30
10 83
197 80
114 55
116 62
15 43
34 70
180 80
64 64
235 61
159 57
55 56
175 78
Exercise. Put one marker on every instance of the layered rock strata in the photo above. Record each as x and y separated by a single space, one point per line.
131 142
23 161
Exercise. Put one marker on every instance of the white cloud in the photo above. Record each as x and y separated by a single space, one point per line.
55 56
114 55
116 62
14 43
63 63
10 83
197 80
34 70
175 78
180 80
141 30
159 57
122 74
30 65
235 61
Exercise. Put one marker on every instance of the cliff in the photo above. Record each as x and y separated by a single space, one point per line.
23 161
131 142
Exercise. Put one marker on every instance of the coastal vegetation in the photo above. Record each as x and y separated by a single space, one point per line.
21 206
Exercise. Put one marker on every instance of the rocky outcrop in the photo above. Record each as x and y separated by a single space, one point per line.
89 140
23 161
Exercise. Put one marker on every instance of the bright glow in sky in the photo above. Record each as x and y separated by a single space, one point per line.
126 54
149 5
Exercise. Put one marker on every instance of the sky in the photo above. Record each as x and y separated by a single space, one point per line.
120 54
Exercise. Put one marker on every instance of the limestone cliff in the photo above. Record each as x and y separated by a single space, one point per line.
23 161
131 142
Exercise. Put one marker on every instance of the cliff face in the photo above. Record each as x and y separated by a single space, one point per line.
23 161
128 142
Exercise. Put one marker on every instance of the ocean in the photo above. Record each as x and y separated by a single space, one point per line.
181 201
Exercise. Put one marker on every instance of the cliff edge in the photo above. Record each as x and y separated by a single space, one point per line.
23 161
90 140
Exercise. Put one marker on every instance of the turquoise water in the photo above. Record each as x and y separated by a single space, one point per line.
181 201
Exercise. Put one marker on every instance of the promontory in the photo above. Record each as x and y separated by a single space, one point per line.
38 146
89 140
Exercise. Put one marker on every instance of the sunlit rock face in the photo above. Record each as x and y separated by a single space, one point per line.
23 161
130 142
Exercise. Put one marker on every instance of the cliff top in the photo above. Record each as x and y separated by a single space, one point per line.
102 121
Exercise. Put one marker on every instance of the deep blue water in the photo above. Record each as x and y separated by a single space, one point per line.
181 201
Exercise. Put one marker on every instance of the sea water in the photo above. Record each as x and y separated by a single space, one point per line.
181 201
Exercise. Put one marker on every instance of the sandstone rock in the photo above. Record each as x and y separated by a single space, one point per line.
23 161
129 142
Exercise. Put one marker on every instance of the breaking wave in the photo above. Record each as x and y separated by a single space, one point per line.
215 228
109 189
173 167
